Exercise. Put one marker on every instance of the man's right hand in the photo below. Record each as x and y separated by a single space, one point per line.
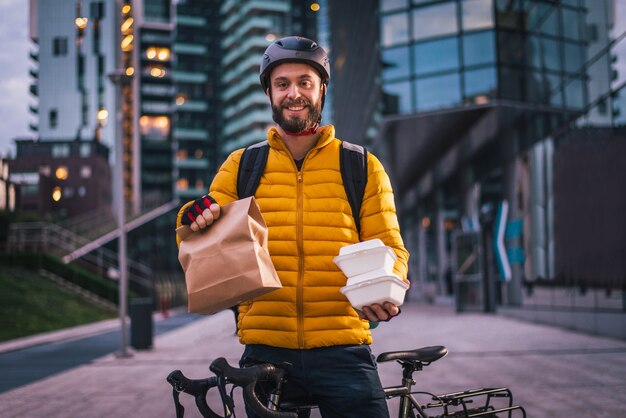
201 213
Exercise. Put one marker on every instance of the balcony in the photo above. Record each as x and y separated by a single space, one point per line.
197 21
34 89
33 109
244 123
249 65
193 106
189 77
190 134
189 49
192 163
257 99
262 23
245 49
251 82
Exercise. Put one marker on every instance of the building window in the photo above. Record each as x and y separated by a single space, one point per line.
62 173
437 20
438 92
85 150
85 171
155 127
395 63
59 46
477 14
479 48
60 150
395 29
53 118
480 83
436 56
388 5
397 98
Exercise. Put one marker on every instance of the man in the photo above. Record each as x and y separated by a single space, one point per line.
309 323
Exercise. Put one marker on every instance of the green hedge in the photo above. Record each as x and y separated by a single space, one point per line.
104 288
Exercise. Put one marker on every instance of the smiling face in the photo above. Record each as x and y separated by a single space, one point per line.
295 93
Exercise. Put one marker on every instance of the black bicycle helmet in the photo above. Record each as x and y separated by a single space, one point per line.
294 49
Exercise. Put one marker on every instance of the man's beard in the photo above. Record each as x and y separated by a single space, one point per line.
297 124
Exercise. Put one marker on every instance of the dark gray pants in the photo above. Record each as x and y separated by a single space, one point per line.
341 380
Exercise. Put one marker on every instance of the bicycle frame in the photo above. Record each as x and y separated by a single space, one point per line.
452 405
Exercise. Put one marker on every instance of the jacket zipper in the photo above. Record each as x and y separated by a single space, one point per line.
299 241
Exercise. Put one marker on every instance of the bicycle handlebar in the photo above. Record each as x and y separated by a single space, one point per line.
197 388
247 378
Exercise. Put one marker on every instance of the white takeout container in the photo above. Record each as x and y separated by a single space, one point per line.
364 257
370 275
388 288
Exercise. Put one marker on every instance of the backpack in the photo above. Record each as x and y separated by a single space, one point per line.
352 163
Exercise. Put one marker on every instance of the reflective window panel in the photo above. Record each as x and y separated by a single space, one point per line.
436 20
438 92
479 48
395 29
395 63
481 82
397 97
477 14
436 56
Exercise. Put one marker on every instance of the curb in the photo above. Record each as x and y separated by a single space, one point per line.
79 331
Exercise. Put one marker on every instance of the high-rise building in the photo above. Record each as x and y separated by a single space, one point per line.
503 122
75 50
197 78
249 26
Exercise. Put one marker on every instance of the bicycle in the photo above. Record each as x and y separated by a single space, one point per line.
452 405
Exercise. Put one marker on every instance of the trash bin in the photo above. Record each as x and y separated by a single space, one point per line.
141 325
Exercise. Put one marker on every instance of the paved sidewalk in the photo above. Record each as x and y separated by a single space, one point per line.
552 372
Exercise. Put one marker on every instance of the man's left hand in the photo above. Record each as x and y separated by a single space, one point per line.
378 313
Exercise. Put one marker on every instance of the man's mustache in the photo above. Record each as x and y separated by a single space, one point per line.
295 103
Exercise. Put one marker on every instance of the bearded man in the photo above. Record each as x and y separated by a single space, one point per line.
309 324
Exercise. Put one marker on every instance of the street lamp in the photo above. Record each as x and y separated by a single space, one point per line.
121 79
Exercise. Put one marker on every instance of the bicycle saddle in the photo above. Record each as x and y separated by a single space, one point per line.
423 355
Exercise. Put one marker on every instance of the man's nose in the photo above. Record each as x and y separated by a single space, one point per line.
293 92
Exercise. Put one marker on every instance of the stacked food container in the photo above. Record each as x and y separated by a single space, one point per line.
368 266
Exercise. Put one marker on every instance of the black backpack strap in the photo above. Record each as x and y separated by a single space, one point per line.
353 165
251 167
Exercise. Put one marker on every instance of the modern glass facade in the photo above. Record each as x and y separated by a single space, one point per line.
443 54
516 101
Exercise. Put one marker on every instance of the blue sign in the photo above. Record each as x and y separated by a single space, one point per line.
499 249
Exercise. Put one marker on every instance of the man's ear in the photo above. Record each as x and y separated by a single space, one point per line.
324 88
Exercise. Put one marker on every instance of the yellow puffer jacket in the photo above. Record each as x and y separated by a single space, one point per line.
309 219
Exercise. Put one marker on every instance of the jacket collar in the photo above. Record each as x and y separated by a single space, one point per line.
276 141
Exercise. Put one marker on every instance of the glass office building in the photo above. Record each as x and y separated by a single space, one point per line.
516 101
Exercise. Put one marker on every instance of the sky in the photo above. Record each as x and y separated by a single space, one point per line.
14 77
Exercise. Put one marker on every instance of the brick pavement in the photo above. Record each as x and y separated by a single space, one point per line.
554 373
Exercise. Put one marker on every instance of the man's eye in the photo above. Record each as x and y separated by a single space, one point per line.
306 84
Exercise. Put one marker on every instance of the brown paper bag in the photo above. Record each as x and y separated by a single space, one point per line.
227 262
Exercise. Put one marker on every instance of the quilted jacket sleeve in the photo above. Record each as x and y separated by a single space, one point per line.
378 214
224 186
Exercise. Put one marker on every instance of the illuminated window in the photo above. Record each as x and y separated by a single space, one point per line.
155 127
56 194
198 153
62 172
200 184
159 54
85 171
182 184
